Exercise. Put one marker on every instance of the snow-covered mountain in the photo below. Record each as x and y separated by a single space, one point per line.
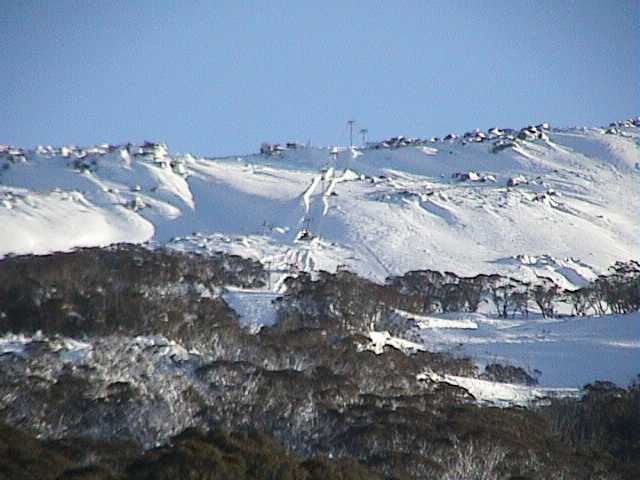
137 343
561 203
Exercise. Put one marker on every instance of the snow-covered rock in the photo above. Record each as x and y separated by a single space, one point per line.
517 180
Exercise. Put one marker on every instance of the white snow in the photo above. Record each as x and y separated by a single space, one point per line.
563 353
254 307
376 212
12 343
69 349
500 394
414 217
381 339
426 321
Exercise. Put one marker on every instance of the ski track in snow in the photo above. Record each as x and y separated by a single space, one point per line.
413 217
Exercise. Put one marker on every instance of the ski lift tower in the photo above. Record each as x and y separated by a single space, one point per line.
363 132
351 122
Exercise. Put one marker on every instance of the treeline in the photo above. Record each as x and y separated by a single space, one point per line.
606 420
616 292
124 289
345 302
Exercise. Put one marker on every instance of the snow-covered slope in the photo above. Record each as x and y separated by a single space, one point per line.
571 209
560 203
564 352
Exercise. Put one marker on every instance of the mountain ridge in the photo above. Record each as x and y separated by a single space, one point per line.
537 201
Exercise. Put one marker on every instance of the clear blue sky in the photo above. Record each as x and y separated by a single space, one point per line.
219 77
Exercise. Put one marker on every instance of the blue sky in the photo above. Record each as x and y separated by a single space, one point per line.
219 77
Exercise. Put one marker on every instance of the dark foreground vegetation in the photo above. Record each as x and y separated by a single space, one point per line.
165 362
192 455
604 444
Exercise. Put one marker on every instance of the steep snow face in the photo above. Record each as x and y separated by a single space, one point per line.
569 212
40 222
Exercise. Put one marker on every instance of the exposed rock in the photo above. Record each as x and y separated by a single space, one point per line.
515 181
